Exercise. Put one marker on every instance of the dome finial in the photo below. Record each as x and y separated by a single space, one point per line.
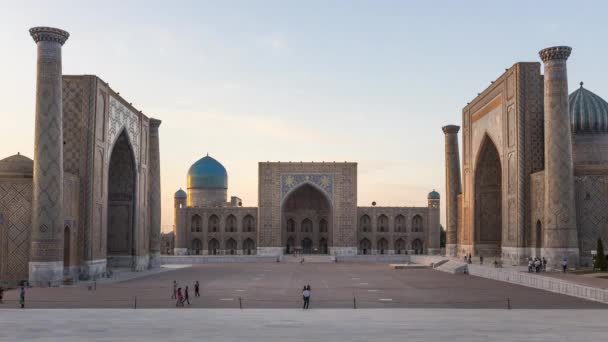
581 84
207 154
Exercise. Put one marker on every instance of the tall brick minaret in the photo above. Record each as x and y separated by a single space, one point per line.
560 239
46 253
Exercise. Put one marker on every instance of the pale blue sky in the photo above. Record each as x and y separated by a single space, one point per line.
248 81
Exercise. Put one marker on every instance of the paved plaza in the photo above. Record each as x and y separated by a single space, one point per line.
297 325
278 285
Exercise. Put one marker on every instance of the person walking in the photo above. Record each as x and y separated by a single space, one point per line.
22 297
174 295
186 296
196 289
306 296
180 297
481 259
564 265
530 265
1 294
544 264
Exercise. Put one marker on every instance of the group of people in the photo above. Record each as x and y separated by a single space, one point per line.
537 265
306 294
184 297
21 296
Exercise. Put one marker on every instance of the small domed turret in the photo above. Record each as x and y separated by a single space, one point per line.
181 194
434 195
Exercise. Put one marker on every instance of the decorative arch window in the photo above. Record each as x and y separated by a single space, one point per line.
365 224
249 224
197 246
417 246
196 224
248 246
306 226
214 247
231 246
291 226
417 224
400 247
323 226
214 224
400 223
231 224
365 246
382 246
383 224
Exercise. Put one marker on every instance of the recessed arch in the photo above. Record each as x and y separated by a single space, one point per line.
488 200
305 206
122 201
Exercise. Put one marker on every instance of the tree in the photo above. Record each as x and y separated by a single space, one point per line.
600 259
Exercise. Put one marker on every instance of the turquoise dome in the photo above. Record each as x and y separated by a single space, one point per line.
433 195
207 173
588 112
181 194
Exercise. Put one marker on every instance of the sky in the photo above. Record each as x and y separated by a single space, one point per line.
370 82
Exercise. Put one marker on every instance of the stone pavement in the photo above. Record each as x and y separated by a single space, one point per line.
279 285
454 325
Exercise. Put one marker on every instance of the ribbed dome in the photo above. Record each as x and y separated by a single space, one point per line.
181 194
588 112
207 173
433 195
16 165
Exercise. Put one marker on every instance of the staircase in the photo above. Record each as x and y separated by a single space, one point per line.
310 259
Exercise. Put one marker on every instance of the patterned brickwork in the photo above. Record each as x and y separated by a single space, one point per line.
343 199
154 186
74 128
15 217
47 222
560 215
452 179
592 216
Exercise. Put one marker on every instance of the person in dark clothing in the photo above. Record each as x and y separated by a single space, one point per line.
196 289
22 297
544 264
1 294
174 295
306 297
187 296
481 259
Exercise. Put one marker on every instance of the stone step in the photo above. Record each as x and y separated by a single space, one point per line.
309 258
453 267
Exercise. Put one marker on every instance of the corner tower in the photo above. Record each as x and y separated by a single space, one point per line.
560 240
46 255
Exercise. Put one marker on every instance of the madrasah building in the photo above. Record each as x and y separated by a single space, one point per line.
534 179
308 208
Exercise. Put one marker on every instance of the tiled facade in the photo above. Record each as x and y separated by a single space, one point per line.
306 208
532 180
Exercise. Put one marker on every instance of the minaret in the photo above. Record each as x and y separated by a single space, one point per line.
154 193
560 240
46 253
179 234
452 188
434 230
